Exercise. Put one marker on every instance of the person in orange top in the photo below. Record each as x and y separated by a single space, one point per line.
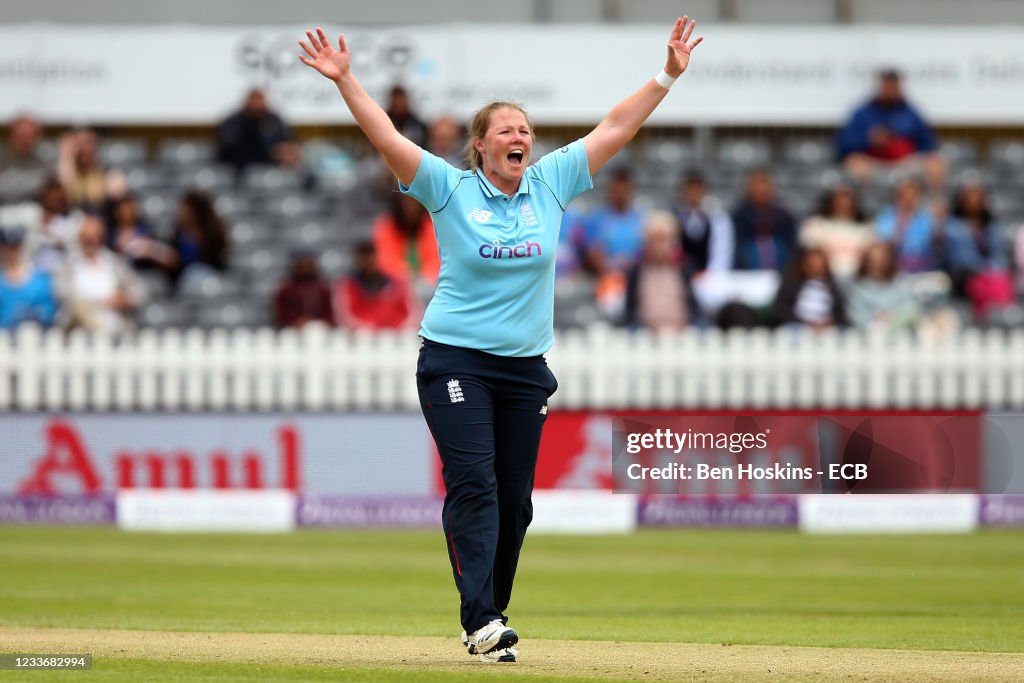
404 238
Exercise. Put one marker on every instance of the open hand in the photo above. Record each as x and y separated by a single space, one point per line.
679 47
333 64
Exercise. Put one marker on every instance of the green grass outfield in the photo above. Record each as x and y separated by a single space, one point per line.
962 593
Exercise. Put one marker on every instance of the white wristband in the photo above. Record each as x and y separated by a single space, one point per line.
664 80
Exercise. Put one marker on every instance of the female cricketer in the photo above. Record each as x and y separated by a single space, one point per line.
482 379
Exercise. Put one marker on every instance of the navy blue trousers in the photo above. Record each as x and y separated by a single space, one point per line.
486 414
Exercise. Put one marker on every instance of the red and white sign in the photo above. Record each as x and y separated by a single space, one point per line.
91 454
392 454
903 451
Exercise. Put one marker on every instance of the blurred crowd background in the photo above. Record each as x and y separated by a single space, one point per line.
877 221
881 223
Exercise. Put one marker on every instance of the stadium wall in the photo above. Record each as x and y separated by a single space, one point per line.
790 75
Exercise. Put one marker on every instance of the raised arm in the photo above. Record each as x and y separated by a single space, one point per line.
623 122
401 154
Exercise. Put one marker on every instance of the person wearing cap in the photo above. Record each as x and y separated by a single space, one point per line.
26 294
888 130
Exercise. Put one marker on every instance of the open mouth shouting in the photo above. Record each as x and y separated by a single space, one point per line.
516 157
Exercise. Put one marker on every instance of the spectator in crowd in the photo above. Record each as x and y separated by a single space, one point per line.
369 299
56 229
304 296
99 290
613 239
22 150
878 296
706 230
405 242
571 255
613 233
765 230
976 256
26 293
808 294
51 228
399 110
888 130
200 236
132 238
409 124
89 186
444 139
656 291
909 225
1018 259
255 134
841 229
21 156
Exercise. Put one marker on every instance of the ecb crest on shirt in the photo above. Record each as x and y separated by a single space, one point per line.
526 215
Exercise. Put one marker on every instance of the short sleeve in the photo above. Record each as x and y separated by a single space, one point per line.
434 182
566 172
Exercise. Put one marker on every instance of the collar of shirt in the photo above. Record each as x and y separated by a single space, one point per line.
491 191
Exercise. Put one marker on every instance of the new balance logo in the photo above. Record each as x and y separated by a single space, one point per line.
455 391
480 215
543 410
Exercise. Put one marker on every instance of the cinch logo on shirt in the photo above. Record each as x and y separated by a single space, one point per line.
496 250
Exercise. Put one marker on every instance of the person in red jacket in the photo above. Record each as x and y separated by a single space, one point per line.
373 300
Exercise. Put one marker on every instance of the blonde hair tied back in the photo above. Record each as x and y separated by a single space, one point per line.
478 129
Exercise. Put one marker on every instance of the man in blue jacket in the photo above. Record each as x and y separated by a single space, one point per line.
888 130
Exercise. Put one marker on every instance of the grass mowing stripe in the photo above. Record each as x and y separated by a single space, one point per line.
757 587
163 671
419 658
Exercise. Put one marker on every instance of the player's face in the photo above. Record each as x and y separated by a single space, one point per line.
507 144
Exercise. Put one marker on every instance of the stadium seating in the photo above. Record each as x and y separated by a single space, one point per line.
272 211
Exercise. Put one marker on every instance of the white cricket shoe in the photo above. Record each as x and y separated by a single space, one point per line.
509 655
490 637
506 655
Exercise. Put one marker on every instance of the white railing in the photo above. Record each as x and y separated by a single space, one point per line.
320 370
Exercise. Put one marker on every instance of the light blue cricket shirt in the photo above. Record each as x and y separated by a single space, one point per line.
496 288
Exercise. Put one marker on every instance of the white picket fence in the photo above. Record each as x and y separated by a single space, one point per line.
320 370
